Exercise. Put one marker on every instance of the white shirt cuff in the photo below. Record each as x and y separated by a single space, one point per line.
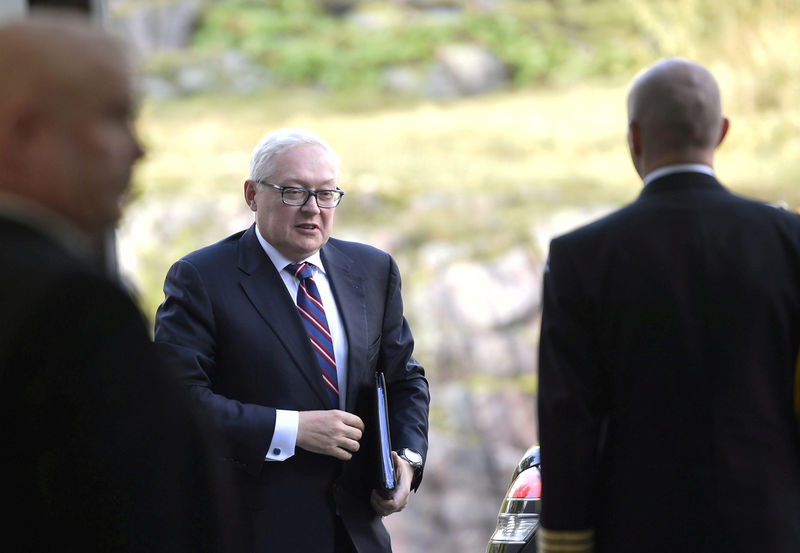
285 436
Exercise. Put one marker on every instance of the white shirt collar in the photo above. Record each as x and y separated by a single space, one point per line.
677 168
281 261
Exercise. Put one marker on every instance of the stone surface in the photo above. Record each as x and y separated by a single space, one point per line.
165 26
153 26
465 70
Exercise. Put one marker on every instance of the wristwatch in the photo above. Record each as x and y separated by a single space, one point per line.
415 460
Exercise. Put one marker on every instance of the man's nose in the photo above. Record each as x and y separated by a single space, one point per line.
311 204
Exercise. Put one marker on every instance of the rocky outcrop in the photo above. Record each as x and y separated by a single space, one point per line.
155 26
165 28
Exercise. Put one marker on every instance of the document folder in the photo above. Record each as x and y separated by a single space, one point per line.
387 481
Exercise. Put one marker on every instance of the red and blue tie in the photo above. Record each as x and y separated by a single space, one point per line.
309 305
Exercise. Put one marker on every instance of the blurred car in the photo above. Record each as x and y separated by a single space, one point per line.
518 519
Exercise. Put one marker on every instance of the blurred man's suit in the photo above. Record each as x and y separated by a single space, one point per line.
100 448
679 316
230 323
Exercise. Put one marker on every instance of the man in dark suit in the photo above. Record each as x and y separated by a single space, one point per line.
297 408
670 330
100 449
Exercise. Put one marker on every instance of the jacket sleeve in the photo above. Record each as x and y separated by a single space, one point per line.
569 396
409 395
185 332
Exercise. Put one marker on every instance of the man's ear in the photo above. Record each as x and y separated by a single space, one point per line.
250 194
21 120
726 124
24 134
634 139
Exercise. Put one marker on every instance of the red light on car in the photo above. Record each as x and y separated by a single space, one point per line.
528 485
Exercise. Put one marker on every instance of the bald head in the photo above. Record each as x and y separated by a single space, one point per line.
675 113
52 51
66 104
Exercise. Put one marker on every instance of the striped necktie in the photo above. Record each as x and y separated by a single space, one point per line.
309 305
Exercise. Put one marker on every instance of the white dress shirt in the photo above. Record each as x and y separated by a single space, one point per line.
284 438
677 168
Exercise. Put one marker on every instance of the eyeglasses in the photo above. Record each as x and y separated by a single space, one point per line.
293 195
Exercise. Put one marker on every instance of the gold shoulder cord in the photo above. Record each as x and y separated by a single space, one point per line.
565 541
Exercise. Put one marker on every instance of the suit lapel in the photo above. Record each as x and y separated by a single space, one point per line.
267 292
347 284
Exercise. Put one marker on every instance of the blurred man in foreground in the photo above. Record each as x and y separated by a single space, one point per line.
100 452
669 336
279 330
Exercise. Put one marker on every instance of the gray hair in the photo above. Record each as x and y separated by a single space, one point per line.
274 143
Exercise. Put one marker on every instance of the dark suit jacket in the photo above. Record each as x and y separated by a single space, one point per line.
100 449
233 330
669 334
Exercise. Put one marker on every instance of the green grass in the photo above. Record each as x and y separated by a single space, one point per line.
479 172
482 172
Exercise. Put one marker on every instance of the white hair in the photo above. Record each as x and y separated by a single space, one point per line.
274 143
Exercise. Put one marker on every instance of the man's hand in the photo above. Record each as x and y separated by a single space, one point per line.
330 432
399 500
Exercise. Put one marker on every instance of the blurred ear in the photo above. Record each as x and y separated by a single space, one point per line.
634 139
723 130
33 151
21 126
